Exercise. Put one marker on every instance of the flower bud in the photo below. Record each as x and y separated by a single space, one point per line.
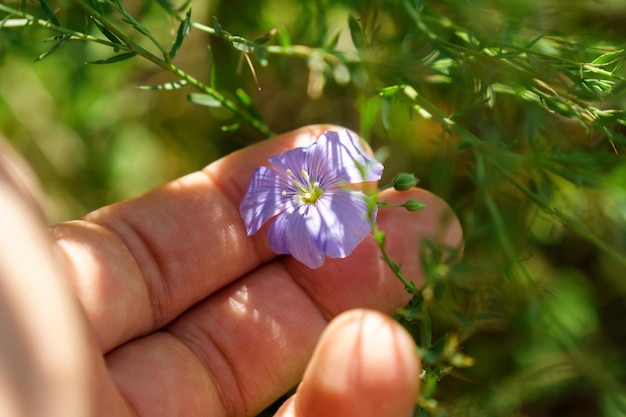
413 205
404 181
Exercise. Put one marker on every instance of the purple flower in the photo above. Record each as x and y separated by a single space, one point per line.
307 189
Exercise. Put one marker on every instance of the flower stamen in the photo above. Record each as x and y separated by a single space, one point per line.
307 191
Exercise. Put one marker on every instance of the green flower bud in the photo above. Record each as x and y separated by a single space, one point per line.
413 205
404 181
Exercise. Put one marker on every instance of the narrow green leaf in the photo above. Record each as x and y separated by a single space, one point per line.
166 5
142 29
332 42
246 100
114 58
49 13
389 91
204 100
534 41
260 53
243 97
608 57
426 333
532 60
241 44
356 32
217 27
106 32
130 20
165 86
262 40
183 30
96 5
284 39
127 18
428 357
169 7
385 111
51 50
230 128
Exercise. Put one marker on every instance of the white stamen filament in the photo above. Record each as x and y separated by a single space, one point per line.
306 193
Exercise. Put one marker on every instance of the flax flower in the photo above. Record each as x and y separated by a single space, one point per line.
307 191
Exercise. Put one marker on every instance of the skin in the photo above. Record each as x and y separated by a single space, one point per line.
162 306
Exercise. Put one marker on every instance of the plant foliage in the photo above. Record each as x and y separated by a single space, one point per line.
512 111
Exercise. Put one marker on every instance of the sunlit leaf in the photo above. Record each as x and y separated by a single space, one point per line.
165 86
230 128
243 97
204 100
608 57
14 23
242 45
246 101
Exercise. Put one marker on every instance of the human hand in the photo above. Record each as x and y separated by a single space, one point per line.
162 306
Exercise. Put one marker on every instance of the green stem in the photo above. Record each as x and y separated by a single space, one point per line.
515 58
230 105
130 46
379 237
30 20
131 20
291 50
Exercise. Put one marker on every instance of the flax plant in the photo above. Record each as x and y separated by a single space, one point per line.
512 111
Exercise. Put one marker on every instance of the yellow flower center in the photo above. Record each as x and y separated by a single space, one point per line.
307 192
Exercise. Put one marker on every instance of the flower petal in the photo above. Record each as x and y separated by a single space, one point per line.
344 221
295 160
332 227
339 155
296 233
263 200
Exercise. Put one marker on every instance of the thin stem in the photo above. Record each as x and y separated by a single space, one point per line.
229 104
129 19
379 237
30 20
132 46
129 45
291 50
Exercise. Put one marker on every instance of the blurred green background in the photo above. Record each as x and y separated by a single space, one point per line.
532 165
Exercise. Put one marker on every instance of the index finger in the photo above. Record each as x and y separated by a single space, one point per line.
138 264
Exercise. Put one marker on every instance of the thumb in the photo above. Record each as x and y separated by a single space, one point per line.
364 365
